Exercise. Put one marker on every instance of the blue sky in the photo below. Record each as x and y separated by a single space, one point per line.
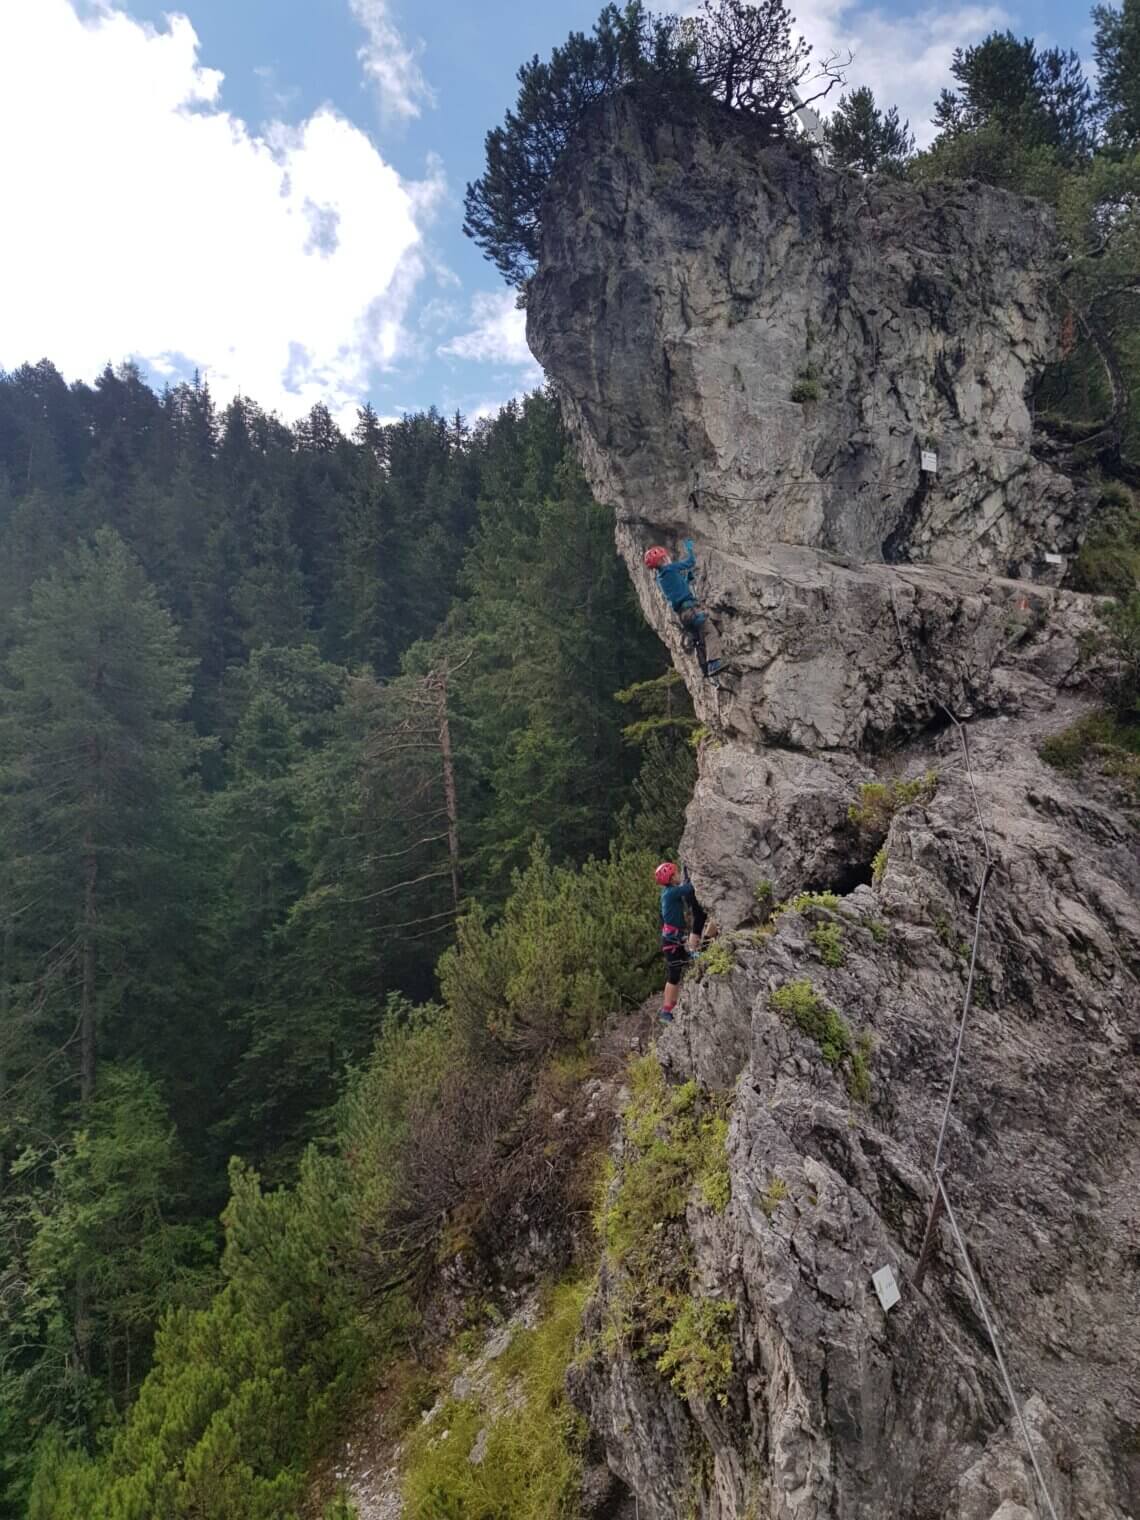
271 190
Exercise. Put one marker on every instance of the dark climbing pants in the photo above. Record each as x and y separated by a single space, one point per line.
703 631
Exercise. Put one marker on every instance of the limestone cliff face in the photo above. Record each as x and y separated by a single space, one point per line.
693 280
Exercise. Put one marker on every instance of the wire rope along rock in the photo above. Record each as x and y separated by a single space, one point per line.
940 1202
992 1333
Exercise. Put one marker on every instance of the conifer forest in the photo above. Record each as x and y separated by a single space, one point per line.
334 769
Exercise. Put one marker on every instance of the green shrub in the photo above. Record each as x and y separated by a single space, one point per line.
675 1140
569 948
1109 561
806 388
879 801
813 1017
534 1440
859 1082
878 865
828 940
1100 740
805 900
697 1358
799 1001
717 959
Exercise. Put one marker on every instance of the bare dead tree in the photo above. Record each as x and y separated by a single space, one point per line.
748 58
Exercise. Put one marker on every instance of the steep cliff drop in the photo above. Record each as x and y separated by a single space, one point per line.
756 352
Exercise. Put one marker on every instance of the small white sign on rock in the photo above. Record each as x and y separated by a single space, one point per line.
886 1287
929 462
1054 559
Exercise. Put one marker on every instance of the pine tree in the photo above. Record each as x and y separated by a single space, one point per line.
96 801
860 136
1037 99
1116 46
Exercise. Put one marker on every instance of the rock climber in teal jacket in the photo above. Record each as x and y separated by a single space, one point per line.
676 894
674 577
674 581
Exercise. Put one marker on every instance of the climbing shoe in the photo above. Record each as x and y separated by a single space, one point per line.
665 1016
713 666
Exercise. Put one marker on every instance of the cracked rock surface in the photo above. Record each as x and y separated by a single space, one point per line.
691 278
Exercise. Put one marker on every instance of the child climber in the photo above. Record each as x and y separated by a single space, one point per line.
676 891
674 581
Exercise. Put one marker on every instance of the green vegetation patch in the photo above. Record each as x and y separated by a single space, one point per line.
800 1002
879 801
698 1353
773 1195
828 941
1109 561
717 959
515 1450
674 1154
1099 740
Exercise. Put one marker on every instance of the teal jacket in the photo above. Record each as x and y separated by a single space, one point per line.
673 901
673 579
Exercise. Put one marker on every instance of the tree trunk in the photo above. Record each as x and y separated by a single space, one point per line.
449 793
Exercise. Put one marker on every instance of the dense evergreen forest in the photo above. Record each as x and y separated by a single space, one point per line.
332 774
278 706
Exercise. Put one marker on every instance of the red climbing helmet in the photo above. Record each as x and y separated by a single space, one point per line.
664 873
656 557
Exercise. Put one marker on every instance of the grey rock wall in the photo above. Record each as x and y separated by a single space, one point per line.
691 279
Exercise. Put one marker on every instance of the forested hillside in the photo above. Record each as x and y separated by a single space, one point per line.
332 775
277 705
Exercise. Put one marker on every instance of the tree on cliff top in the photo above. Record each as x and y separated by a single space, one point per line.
742 55
1039 99
860 136
1117 49
501 209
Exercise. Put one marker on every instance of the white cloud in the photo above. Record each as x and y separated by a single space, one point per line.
390 62
145 220
497 334
904 57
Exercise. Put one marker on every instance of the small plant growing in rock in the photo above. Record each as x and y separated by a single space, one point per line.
765 893
698 1354
675 1145
878 930
879 801
799 1001
828 940
717 960
804 900
813 1017
773 1196
859 1082
878 865
806 387
713 1182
